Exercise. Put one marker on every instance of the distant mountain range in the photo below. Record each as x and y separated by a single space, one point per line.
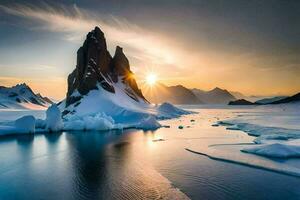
22 96
294 98
173 94
243 102
181 95
274 100
214 96
270 100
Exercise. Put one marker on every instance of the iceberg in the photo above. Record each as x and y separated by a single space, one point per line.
25 124
53 119
167 111
149 123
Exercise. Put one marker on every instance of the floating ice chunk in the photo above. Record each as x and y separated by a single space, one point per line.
158 140
53 119
275 150
167 110
148 123
25 124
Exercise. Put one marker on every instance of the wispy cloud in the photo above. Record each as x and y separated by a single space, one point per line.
75 23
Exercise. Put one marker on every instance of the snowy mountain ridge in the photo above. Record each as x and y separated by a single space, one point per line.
21 96
214 96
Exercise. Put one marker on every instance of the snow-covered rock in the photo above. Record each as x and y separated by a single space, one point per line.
96 69
103 93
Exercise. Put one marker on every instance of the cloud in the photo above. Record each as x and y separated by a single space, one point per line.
75 22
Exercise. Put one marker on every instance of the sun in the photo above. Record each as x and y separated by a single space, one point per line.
151 79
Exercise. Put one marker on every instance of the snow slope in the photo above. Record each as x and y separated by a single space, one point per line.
115 110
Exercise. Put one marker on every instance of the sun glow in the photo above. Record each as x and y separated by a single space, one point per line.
151 79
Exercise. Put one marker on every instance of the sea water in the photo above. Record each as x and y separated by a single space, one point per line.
199 161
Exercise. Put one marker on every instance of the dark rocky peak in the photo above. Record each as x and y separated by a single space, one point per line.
178 87
22 88
93 62
95 67
242 102
46 99
119 65
217 89
96 36
21 85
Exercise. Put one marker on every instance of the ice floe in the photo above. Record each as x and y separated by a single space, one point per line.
276 150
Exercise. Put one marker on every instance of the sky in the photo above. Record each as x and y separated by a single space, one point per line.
252 47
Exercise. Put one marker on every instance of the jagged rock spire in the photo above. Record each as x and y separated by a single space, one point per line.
95 67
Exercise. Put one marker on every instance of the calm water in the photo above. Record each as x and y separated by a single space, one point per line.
132 165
